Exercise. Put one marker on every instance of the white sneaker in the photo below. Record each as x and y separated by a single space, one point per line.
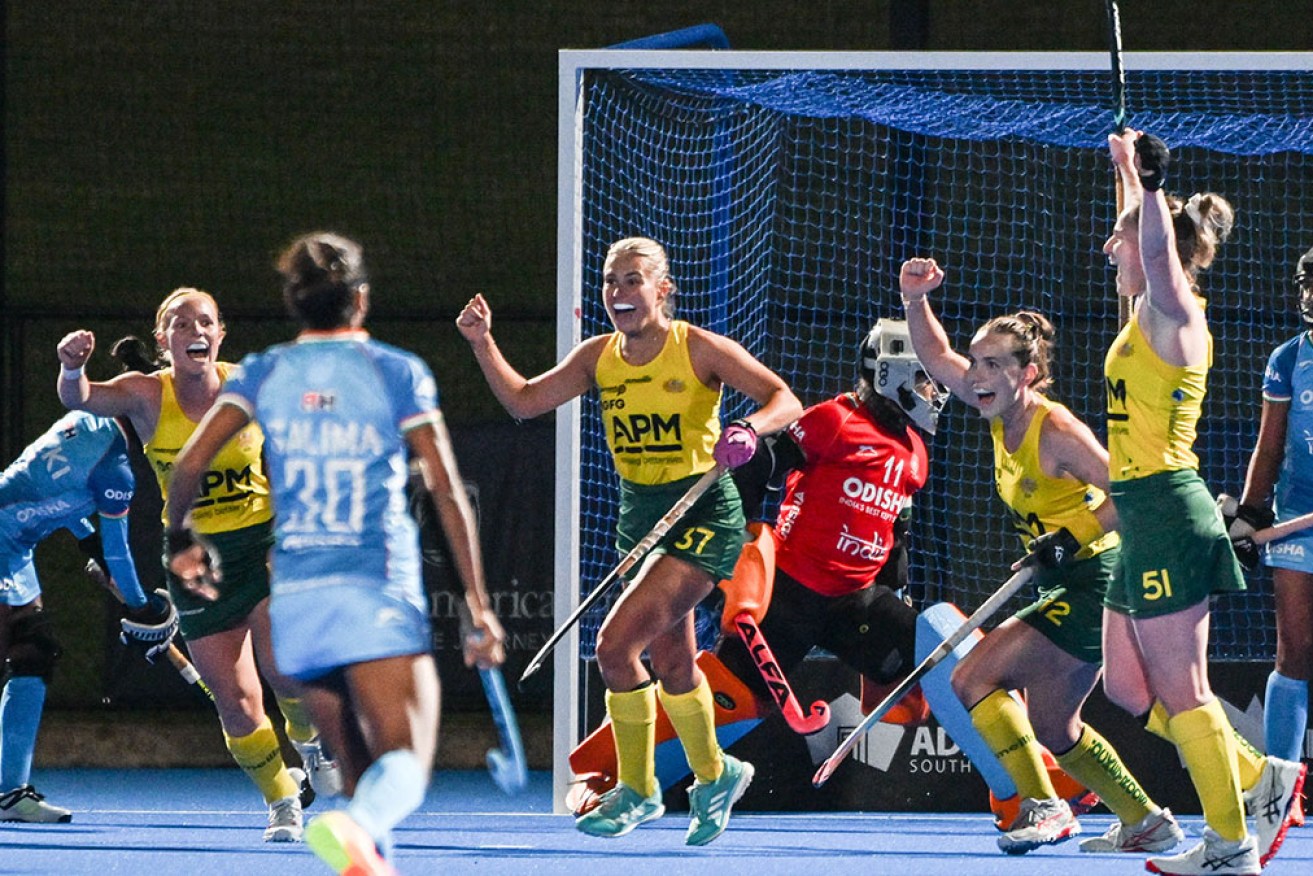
1212 857
1039 823
1271 803
325 775
1155 832
284 821
25 804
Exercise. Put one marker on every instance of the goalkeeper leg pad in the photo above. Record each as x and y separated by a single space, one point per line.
935 624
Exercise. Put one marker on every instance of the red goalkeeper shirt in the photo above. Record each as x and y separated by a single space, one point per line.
835 526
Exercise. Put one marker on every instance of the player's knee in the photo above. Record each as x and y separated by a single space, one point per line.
963 683
1129 697
33 648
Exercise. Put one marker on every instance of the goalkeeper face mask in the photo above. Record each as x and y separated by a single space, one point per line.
889 365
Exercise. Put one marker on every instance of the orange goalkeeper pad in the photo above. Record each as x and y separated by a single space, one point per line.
912 709
593 761
750 587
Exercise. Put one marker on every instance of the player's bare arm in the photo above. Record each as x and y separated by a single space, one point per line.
916 280
525 398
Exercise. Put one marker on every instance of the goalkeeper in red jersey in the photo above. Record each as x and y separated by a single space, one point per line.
852 465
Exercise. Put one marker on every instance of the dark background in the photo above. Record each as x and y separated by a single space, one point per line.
151 144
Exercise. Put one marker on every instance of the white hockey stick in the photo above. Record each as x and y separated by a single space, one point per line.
1281 530
631 559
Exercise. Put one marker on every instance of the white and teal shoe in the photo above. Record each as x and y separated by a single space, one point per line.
711 803
619 811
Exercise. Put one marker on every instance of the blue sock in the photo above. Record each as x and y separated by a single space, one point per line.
1285 715
20 715
392 788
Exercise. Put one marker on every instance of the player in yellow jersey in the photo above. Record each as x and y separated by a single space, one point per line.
1052 474
660 382
228 639
1175 551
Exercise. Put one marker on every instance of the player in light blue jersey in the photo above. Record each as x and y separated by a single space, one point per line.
340 414
1281 472
77 469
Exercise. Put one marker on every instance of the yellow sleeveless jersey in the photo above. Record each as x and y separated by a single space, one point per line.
661 422
1040 503
1153 407
234 490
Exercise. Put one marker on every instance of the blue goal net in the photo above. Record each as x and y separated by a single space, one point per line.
788 198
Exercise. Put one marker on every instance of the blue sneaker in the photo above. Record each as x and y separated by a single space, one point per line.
711 803
620 810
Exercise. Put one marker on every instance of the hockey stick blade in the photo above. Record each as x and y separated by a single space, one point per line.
776 683
933 659
678 510
506 764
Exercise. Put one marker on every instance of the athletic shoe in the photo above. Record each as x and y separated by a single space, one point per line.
305 792
621 810
711 803
1214 857
284 821
25 804
324 773
342 844
1155 832
1039 823
1271 800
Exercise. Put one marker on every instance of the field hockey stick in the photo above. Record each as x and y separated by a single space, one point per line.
1281 530
1118 81
506 764
933 659
187 670
631 559
174 653
775 681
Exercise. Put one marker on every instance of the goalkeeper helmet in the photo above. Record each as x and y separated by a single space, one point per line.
1304 287
887 363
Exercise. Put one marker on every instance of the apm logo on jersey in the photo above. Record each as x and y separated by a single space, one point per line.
928 749
646 433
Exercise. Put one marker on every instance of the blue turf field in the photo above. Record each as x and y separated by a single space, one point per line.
203 822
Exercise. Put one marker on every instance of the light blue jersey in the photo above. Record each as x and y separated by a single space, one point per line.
334 408
77 468
1288 380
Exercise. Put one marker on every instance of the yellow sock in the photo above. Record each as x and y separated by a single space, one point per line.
1003 724
633 722
1156 723
296 719
1094 763
1207 744
693 715
258 755
1249 760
